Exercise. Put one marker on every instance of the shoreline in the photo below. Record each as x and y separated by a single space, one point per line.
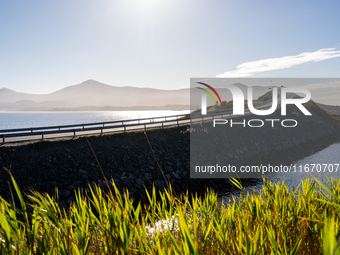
127 159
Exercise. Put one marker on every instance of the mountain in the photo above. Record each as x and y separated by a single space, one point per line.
98 94
93 95
11 96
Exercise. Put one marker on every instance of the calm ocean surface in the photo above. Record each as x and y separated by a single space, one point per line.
13 120
329 156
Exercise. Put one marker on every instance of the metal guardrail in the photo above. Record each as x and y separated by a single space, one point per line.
94 128
120 125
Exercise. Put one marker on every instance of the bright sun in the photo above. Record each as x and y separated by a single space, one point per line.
148 8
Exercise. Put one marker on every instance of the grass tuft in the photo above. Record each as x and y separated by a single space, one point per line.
276 220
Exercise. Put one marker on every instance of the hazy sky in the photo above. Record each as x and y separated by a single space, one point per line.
47 45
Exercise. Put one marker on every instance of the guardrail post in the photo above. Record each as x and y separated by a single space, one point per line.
74 133
3 139
42 135
101 132
177 122
145 127
124 128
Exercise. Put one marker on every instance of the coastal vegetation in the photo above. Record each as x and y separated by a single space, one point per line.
274 220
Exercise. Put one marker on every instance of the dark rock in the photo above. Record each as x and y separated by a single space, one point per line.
65 193
100 183
175 175
168 168
139 183
167 176
147 176
159 184
116 181
128 184
62 205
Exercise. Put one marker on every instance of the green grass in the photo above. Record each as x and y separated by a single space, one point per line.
274 221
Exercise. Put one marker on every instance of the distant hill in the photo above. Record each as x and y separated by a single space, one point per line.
98 94
172 107
94 96
331 108
11 96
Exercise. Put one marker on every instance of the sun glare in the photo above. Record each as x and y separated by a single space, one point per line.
148 6
148 2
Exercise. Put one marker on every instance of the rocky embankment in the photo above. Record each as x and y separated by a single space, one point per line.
128 160
272 144
124 158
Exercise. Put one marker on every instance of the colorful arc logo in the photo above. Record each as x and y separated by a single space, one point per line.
208 92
